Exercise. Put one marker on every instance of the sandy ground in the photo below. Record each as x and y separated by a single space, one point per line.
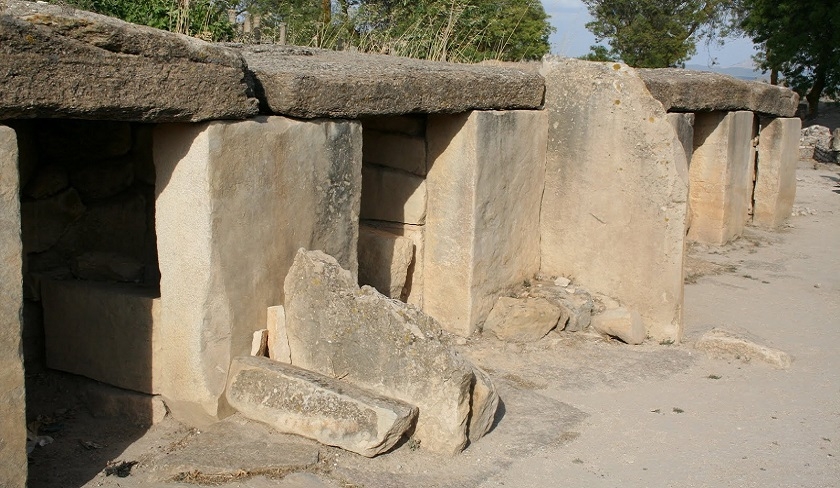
579 410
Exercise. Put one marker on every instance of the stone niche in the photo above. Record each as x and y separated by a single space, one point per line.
90 268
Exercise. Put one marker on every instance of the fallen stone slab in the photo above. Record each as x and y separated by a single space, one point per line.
724 344
61 62
622 323
682 90
310 83
296 401
523 319
383 345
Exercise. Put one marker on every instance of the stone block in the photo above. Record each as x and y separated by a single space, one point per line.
278 339
97 181
76 143
132 407
740 345
576 305
775 183
684 126
13 463
235 201
413 289
45 221
621 323
296 401
410 125
259 343
485 184
106 332
613 216
384 259
721 186
393 195
383 345
48 181
523 319
398 151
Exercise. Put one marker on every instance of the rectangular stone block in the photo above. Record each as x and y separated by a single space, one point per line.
278 340
485 184
614 211
393 195
775 183
384 259
106 332
13 465
413 289
296 401
720 176
397 151
235 201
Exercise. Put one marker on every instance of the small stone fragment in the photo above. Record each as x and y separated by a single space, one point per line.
259 343
724 344
278 341
523 319
562 282
622 323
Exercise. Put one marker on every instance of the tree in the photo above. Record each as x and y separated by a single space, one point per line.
598 53
653 33
800 40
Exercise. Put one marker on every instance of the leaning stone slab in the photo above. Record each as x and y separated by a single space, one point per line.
682 90
775 183
13 464
296 401
309 83
723 344
366 339
61 62
622 323
613 216
523 319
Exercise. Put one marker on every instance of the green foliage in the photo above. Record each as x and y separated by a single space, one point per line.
598 53
801 40
653 33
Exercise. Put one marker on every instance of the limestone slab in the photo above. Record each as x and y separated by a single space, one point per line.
721 185
726 344
296 401
393 195
341 331
13 463
613 215
384 259
106 332
522 319
278 340
61 62
622 323
309 83
775 183
413 289
235 200
485 185
393 150
681 90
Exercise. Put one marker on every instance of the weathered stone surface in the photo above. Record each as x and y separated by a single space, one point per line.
682 90
106 332
384 259
235 200
13 464
107 266
485 184
45 221
725 344
259 343
60 62
721 186
48 181
96 181
296 401
576 305
621 323
522 319
339 330
413 289
834 144
393 195
684 126
132 407
278 339
775 183
309 83
616 181
398 151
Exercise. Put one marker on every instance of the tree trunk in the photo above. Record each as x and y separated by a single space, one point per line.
813 95
326 8
774 76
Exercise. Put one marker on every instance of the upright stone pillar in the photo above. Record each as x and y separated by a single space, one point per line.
13 465
235 201
775 183
485 184
614 211
721 176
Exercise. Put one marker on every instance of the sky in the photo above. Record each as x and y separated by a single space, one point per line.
572 38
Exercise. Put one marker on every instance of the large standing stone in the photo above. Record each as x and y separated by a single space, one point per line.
341 331
614 210
296 401
775 184
721 167
13 464
485 184
384 259
393 195
235 200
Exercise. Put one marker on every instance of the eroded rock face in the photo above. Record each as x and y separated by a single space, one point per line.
523 319
341 331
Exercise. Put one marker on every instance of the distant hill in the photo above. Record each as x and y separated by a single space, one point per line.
736 71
